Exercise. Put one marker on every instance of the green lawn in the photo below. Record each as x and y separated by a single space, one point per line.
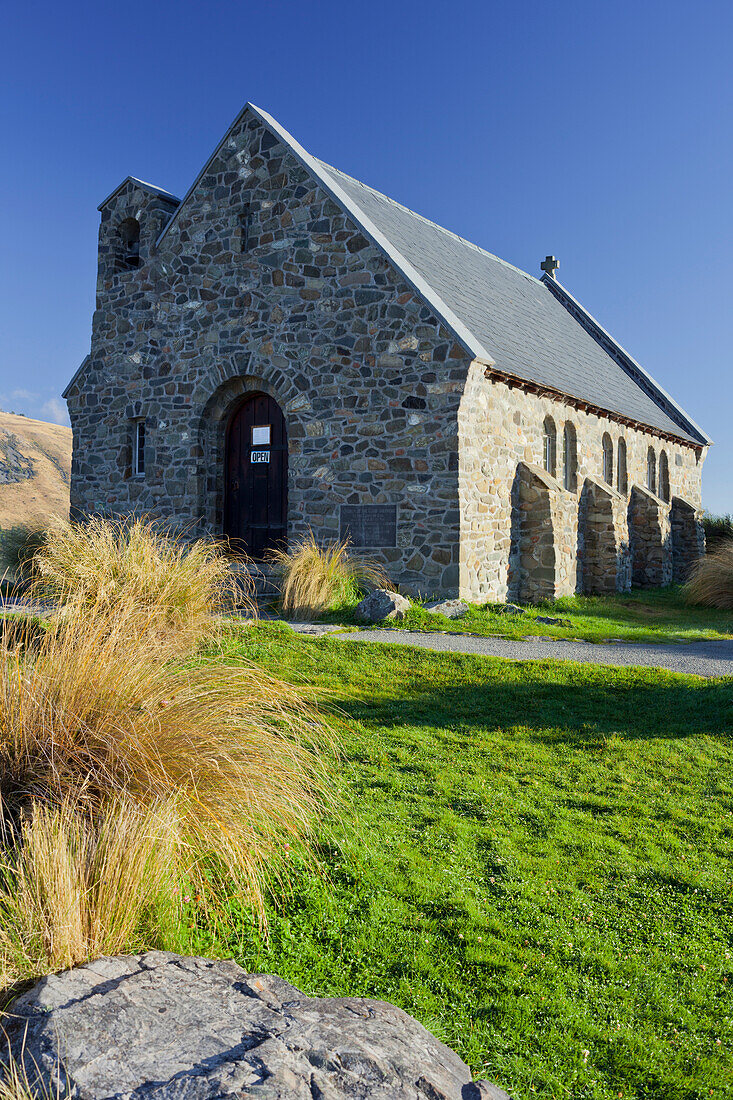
534 859
653 615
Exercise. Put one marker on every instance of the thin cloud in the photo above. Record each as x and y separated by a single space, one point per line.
54 410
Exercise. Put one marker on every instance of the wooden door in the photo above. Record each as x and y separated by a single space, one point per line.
256 494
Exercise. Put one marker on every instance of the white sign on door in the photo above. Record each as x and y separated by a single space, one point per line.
260 456
261 436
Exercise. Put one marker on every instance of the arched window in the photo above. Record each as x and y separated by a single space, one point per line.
651 470
128 254
607 458
622 480
550 446
570 457
664 476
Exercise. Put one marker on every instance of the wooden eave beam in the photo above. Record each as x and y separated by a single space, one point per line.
540 390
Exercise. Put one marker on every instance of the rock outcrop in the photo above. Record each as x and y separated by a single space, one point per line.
159 1026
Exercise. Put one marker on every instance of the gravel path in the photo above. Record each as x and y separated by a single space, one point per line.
713 658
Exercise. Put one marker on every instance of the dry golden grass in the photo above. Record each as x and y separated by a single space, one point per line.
32 502
74 888
315 578
103 564
711 583
99 710
130 765
15 1085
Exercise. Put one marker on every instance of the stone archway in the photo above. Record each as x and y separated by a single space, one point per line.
226 391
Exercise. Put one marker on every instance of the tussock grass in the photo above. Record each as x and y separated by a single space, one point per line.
711 583
131 758
74 889
15 1084
315 578
101 711
102 563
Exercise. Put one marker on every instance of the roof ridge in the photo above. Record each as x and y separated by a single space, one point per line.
428 221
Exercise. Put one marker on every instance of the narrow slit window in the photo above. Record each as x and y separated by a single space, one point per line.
245 226
664 492
621 479
550 445
128 256
138 449
570 457
607 459
651 471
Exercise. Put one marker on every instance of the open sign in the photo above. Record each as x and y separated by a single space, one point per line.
260 456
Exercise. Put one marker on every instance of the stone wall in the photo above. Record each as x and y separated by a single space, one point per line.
501 428
650 535
688 538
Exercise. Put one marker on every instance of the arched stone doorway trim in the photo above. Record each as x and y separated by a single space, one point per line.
223 388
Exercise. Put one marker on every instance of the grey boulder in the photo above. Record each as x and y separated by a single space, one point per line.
382 604
452 609
160 1026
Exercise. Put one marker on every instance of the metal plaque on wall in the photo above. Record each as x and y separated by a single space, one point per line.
369 524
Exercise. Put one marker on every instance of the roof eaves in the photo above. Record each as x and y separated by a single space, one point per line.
624 360
140 183
77 374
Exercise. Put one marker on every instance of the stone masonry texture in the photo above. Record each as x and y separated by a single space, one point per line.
263 284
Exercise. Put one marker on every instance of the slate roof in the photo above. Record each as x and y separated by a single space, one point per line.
523 322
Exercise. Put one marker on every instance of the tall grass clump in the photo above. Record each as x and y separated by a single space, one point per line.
315 578
711 583
116 726
65 888
717 529
102 711
186 585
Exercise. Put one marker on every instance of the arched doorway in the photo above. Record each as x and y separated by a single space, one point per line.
256 476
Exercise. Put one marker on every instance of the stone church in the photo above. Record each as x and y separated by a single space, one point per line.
286 349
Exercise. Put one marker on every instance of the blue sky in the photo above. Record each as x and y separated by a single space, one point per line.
599 132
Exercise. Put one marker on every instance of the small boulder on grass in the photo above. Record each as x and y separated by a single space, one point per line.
381 604
452 609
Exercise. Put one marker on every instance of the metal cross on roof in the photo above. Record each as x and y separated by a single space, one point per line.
550 265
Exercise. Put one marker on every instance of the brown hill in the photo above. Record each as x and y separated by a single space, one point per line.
35 463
